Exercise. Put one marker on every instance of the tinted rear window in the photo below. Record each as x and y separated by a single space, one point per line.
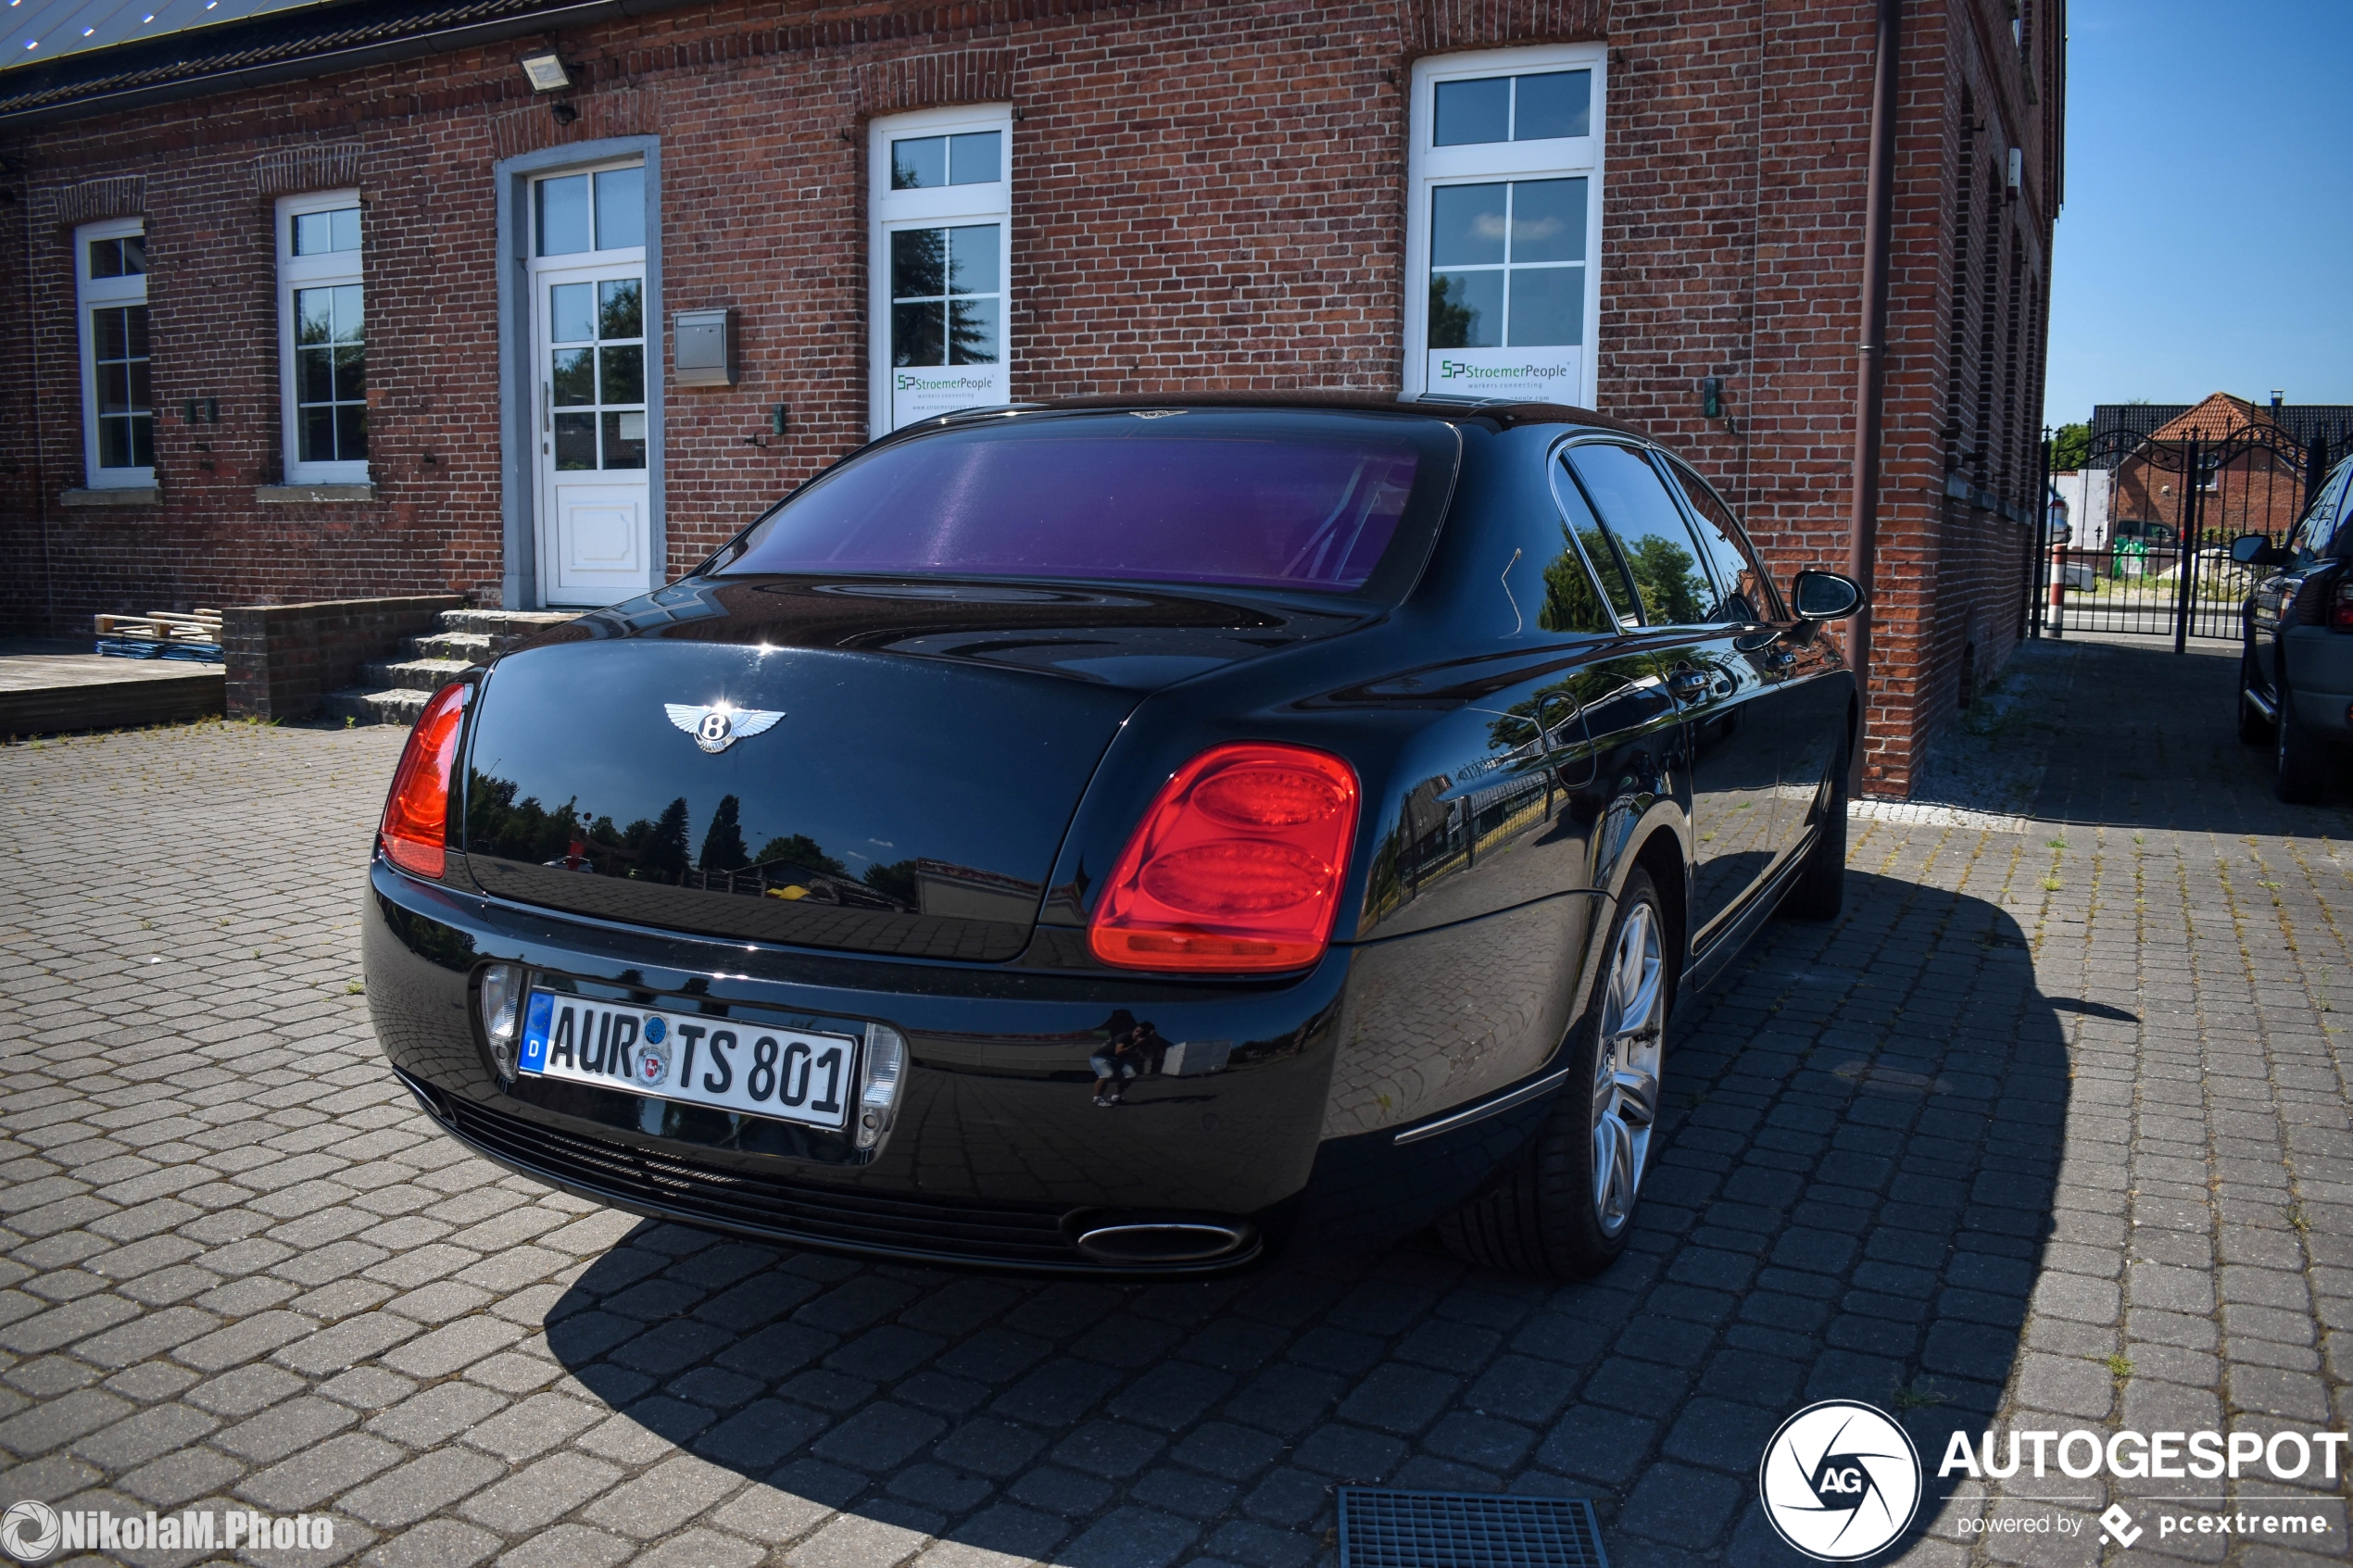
1323 502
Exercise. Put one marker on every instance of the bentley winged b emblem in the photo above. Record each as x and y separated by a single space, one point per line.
720 726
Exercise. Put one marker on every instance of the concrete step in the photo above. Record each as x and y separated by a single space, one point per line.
414 675
502 622
465 648
400 704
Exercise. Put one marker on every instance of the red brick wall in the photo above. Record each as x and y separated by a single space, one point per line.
1206 195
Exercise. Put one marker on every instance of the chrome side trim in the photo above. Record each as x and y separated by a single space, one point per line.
1504 1101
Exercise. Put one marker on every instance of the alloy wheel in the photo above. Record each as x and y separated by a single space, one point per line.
1626 1066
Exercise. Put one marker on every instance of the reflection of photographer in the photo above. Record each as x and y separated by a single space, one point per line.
1130 1054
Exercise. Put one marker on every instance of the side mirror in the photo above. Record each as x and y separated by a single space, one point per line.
2253 549
1825 596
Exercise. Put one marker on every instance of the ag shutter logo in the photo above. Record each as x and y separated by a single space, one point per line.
1840 1480
29 1531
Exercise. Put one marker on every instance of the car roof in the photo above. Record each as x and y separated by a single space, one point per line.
1501 412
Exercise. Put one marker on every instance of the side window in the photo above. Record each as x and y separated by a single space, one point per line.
2319 528
942 205
322 339
118 403
1749 594
1660 552
1569 580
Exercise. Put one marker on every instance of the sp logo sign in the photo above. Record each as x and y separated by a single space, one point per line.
1840 1481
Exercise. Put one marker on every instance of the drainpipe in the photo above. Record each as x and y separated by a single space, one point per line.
1871 378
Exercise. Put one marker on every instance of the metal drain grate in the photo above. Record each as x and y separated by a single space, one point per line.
1381 1530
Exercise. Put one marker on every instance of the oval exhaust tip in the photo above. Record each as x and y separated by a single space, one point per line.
1171 1241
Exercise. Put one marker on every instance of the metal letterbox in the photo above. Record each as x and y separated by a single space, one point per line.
702 347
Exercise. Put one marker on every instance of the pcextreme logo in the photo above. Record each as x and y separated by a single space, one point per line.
1840 1480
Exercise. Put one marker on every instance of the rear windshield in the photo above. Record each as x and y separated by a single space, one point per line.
1325 502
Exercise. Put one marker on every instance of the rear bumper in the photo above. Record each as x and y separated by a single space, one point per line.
2320 677
999 1157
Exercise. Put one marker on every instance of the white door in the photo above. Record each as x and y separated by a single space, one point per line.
592 352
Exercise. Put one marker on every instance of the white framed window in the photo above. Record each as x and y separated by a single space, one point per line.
941 335
1504 208
323 339
118 395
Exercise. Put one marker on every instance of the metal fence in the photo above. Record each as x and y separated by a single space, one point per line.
2164 567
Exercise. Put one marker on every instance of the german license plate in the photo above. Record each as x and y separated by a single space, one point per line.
693 1059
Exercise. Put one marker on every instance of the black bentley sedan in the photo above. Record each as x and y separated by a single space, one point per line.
1128 837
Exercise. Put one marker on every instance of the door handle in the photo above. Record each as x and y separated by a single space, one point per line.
1687 684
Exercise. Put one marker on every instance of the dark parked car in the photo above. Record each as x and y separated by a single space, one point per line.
2295 668
1126 837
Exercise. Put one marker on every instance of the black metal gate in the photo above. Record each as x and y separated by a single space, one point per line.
2163 567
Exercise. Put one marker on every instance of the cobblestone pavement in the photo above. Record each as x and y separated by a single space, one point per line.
2051 1127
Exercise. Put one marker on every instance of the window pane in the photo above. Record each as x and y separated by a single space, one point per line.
134 262
976 158
919 163
1466 309
106 332
314 316
1465 225
114 388
571 312
349 319
1548 220
574 381
346 227
625 440
576 441
1556 104
351 433
1587 530
351 372
972 332
621 376
918 263
563 215
114 444
1548 306
1749 595
621 307
972 260
1649 529
1474 111
313 232
919 334
143 441
314 375
105 259
317 428
134 330
621 208
142 392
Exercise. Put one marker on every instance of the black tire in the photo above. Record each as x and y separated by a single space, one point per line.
1542 1218
2254 729
1820 892
2300 758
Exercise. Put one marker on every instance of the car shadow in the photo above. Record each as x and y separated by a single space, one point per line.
1851 1200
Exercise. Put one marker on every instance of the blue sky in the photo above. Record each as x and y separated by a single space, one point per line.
2205 243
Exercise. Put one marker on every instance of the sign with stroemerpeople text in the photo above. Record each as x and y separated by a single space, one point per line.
1537 375
922 391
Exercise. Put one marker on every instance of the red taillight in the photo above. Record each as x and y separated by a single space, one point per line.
1238 866
2341 612
417 816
